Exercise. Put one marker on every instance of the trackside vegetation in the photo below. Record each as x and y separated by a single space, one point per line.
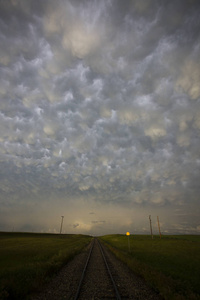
28 260
170 265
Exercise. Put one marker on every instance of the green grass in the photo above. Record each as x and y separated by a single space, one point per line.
28 260
171 265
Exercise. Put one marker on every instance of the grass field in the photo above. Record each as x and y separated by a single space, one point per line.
27 260
171 265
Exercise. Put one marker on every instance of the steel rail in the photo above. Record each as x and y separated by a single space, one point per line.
83 274
118 297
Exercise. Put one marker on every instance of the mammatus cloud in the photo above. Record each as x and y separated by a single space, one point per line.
99 105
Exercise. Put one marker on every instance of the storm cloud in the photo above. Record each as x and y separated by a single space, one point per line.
99 111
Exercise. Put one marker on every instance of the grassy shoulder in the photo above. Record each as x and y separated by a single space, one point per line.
28 260
171 265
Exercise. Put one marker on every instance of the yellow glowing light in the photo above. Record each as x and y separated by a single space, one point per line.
128 233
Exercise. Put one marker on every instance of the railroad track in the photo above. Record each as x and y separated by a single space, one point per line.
97 280
89 277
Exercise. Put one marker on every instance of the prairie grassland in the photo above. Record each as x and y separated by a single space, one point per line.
171 265
28 260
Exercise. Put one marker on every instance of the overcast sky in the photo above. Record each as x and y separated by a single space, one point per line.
100 115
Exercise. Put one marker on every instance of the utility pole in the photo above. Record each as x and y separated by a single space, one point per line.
61 224
150 226
159 226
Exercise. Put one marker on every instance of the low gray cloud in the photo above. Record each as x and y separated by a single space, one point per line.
99 103
75 225
98 222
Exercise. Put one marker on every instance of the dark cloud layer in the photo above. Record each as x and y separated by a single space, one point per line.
100 104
